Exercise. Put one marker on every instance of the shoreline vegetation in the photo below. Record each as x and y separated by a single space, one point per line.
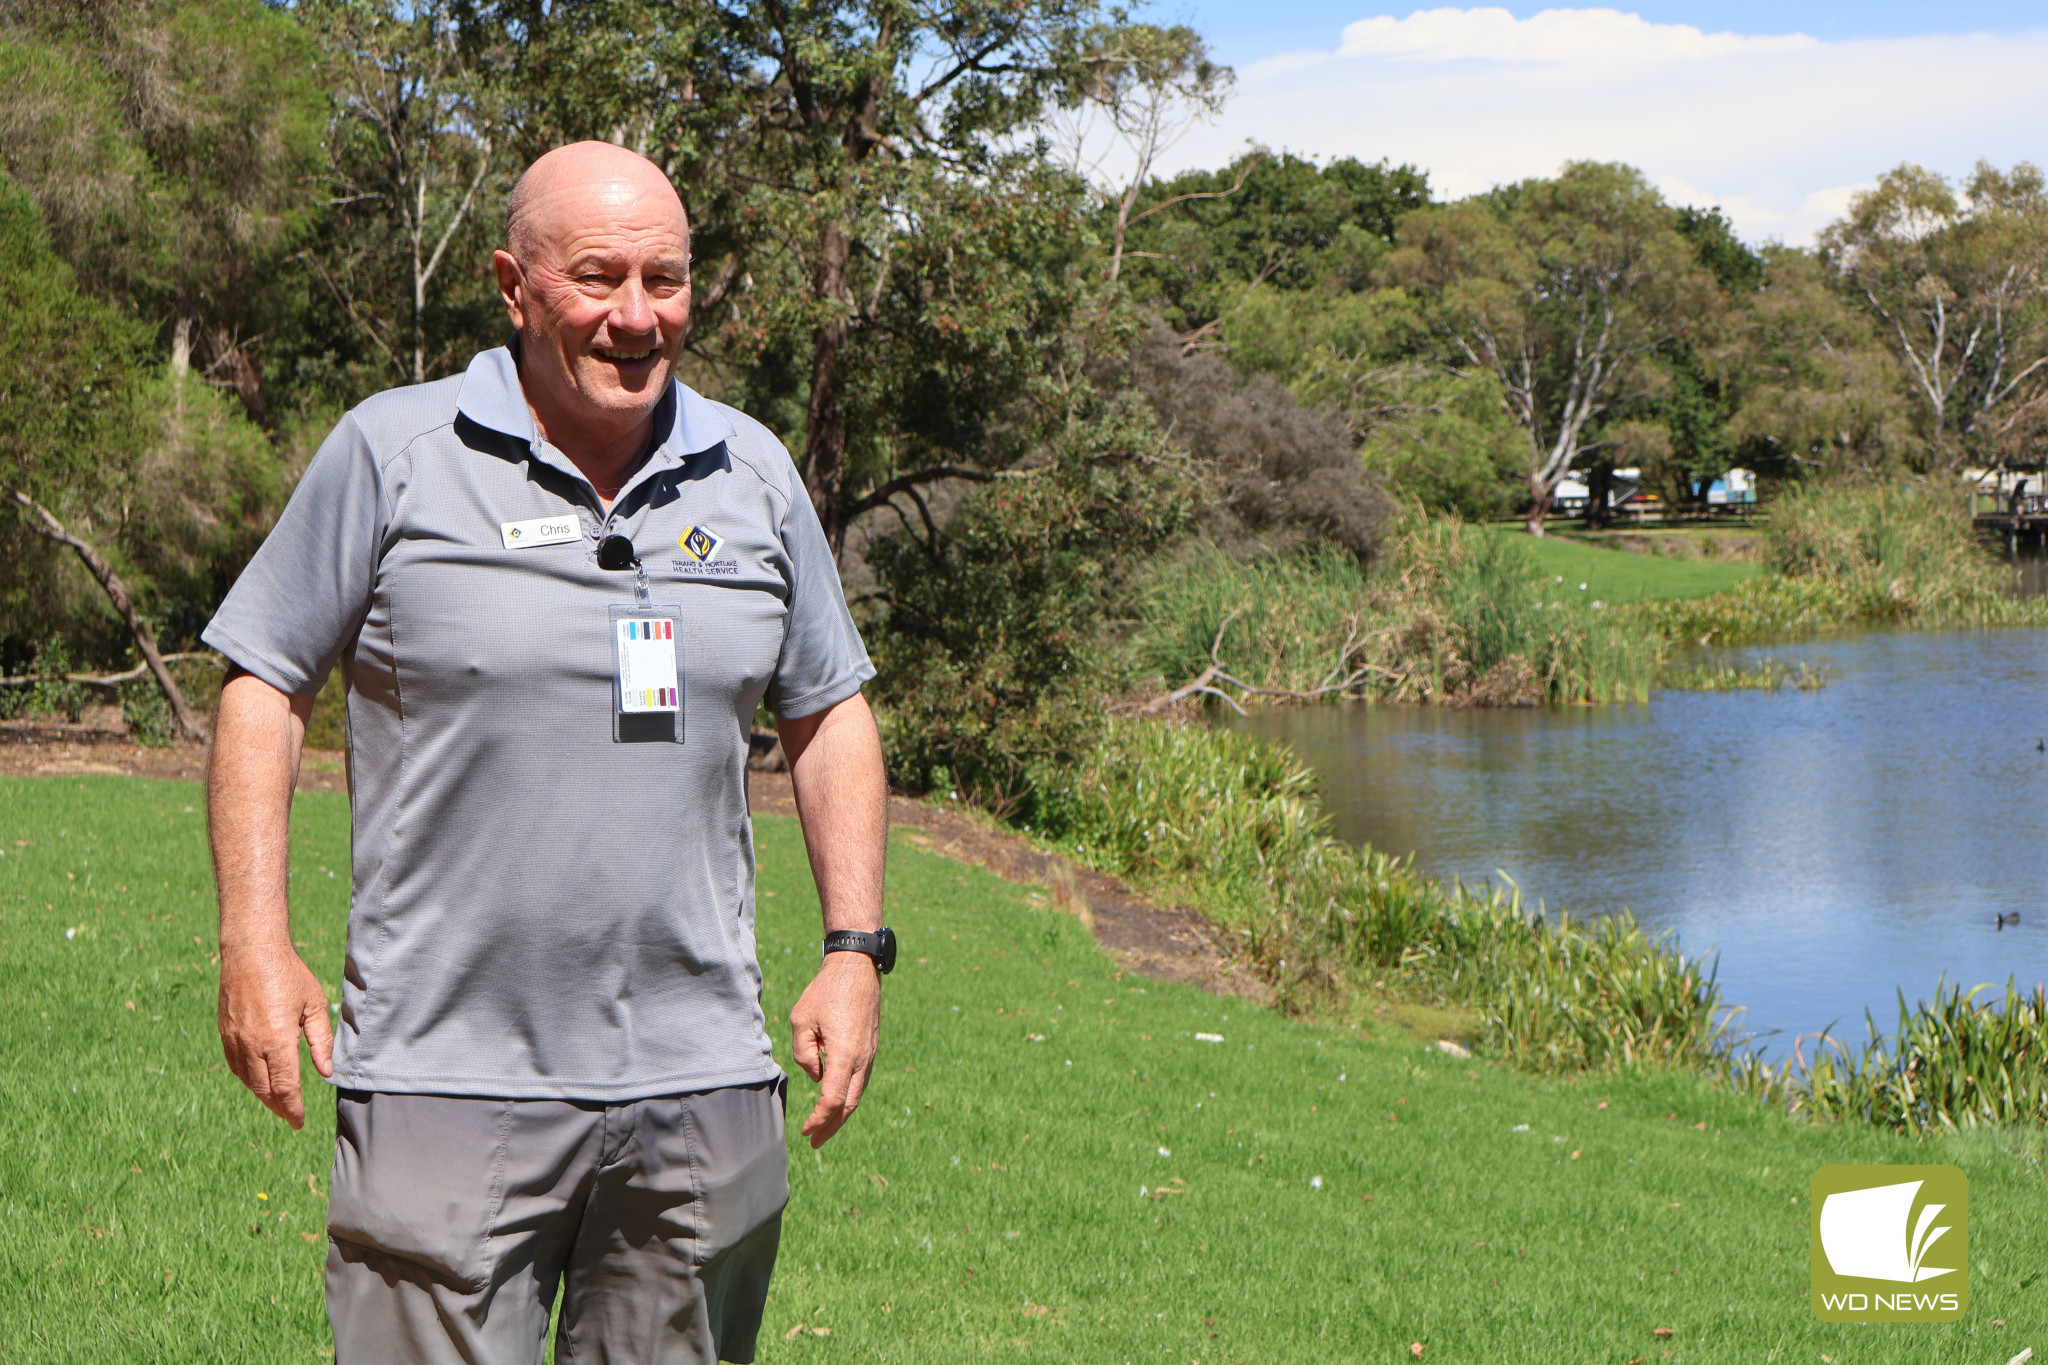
1462 615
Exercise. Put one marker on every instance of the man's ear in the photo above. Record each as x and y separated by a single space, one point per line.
511 287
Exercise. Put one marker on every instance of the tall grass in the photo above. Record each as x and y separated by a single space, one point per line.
1856 554
1450 613
1955 1062
1234 827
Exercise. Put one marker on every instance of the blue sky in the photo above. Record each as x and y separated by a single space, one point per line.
1245 31
1778 112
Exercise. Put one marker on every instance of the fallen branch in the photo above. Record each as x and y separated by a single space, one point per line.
103 679
45 524
1201 684
1211 680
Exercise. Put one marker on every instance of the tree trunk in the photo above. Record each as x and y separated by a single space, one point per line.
1539 503
189 721
825 434
1599 495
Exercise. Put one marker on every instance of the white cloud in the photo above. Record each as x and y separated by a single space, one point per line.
1779 129
1579 36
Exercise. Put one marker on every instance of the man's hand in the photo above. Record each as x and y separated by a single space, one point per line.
268 997
835 1029
842 796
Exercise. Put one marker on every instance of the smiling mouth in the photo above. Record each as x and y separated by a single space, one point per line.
622 355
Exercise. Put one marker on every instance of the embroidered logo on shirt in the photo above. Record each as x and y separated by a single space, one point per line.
699 544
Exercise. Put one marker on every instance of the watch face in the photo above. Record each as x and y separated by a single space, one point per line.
888 959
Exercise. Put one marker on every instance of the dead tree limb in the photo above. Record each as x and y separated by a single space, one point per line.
45 524
109 680
1201 684
1341 678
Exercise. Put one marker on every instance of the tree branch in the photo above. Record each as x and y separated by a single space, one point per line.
46 524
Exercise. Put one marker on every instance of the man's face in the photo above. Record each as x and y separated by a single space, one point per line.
600 293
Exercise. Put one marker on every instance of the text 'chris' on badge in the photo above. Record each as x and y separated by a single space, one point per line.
647 664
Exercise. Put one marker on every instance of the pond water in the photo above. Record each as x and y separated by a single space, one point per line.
1833 847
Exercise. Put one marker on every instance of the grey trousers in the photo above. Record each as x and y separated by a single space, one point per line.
453 1221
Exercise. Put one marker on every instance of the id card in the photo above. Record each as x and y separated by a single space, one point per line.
647 675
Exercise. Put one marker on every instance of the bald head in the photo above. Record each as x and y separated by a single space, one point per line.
566 185
596 277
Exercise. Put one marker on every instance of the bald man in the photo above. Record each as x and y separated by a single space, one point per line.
558 585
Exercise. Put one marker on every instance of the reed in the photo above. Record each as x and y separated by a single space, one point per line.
1954 1062
1853 555
1449 613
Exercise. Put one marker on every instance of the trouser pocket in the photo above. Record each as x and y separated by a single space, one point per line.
421 1178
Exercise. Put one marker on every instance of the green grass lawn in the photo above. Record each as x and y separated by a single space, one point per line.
986 1201
1618 576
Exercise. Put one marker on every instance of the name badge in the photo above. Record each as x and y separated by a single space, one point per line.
519 535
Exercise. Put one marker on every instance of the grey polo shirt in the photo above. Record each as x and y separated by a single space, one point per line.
539 911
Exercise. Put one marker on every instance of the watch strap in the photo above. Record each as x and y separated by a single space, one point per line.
879 946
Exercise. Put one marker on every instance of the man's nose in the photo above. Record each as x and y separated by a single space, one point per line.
632 309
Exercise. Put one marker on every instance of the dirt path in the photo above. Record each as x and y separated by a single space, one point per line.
1165 943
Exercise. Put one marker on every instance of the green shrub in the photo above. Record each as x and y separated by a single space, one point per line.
58 700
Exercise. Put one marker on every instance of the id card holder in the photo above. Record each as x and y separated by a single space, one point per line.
647 674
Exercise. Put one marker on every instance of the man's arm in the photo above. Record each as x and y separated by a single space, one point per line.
842 796
268 996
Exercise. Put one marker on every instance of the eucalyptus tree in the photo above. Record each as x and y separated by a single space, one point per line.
417 172
1959 286
886 260
1563 291
1822 394
1142 88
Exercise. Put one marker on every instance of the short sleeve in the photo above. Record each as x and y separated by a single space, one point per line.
302 598
823 661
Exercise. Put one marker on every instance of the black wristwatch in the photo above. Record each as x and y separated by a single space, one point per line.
881 947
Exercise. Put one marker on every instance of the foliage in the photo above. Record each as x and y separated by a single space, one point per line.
988 639
884 256
1894 549
1277 473
1442 439
1822 395
168 144
1267 222
1562 290
417 162
1449 613
1954 1062
1958 287
1768 676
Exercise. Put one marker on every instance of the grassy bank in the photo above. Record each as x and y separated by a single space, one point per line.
986 1201
1619 577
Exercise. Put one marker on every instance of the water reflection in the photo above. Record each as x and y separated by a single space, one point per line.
1834 847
